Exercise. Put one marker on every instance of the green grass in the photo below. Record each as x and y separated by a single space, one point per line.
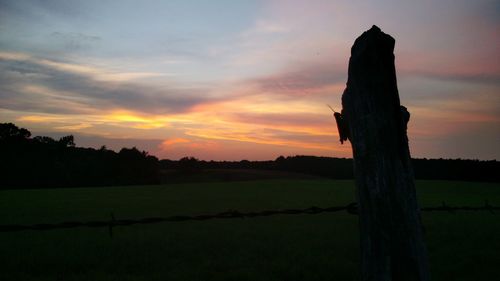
462 246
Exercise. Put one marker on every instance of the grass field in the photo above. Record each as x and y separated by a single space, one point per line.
462 246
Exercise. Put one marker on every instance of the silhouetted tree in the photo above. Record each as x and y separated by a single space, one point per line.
44 140
11 131
189 165
67 141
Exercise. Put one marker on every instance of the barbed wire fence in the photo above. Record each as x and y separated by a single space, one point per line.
350 208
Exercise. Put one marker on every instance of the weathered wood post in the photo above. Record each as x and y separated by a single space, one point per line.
392 245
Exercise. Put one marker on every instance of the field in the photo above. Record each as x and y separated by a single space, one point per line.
462 246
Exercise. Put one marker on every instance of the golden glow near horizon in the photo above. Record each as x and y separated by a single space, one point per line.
215 86
212 122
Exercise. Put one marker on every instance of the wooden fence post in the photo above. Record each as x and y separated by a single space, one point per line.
392 244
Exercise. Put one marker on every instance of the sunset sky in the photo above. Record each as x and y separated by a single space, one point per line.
232 80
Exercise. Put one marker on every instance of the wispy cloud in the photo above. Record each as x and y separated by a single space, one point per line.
304 79
480 77
50 86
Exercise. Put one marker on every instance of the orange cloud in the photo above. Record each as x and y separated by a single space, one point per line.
168 143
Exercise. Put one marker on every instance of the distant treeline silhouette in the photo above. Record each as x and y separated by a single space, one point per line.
44 162
342 168
37 162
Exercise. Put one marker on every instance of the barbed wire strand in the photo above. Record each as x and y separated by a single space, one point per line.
351 208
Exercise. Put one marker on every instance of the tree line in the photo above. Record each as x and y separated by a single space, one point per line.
41 161
342 168
45 162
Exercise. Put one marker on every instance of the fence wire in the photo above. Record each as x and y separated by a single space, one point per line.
350 208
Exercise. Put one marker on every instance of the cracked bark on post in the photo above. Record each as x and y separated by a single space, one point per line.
392 243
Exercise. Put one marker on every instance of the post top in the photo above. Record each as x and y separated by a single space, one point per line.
375 28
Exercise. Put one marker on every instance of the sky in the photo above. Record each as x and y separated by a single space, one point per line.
233 80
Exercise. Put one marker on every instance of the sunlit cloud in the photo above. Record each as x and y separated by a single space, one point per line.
169 143
116 118
77 127
38 118
13 56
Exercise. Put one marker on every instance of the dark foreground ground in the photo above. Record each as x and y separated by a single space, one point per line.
462 246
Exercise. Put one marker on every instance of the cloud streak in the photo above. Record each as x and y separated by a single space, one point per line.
304 79
48 86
